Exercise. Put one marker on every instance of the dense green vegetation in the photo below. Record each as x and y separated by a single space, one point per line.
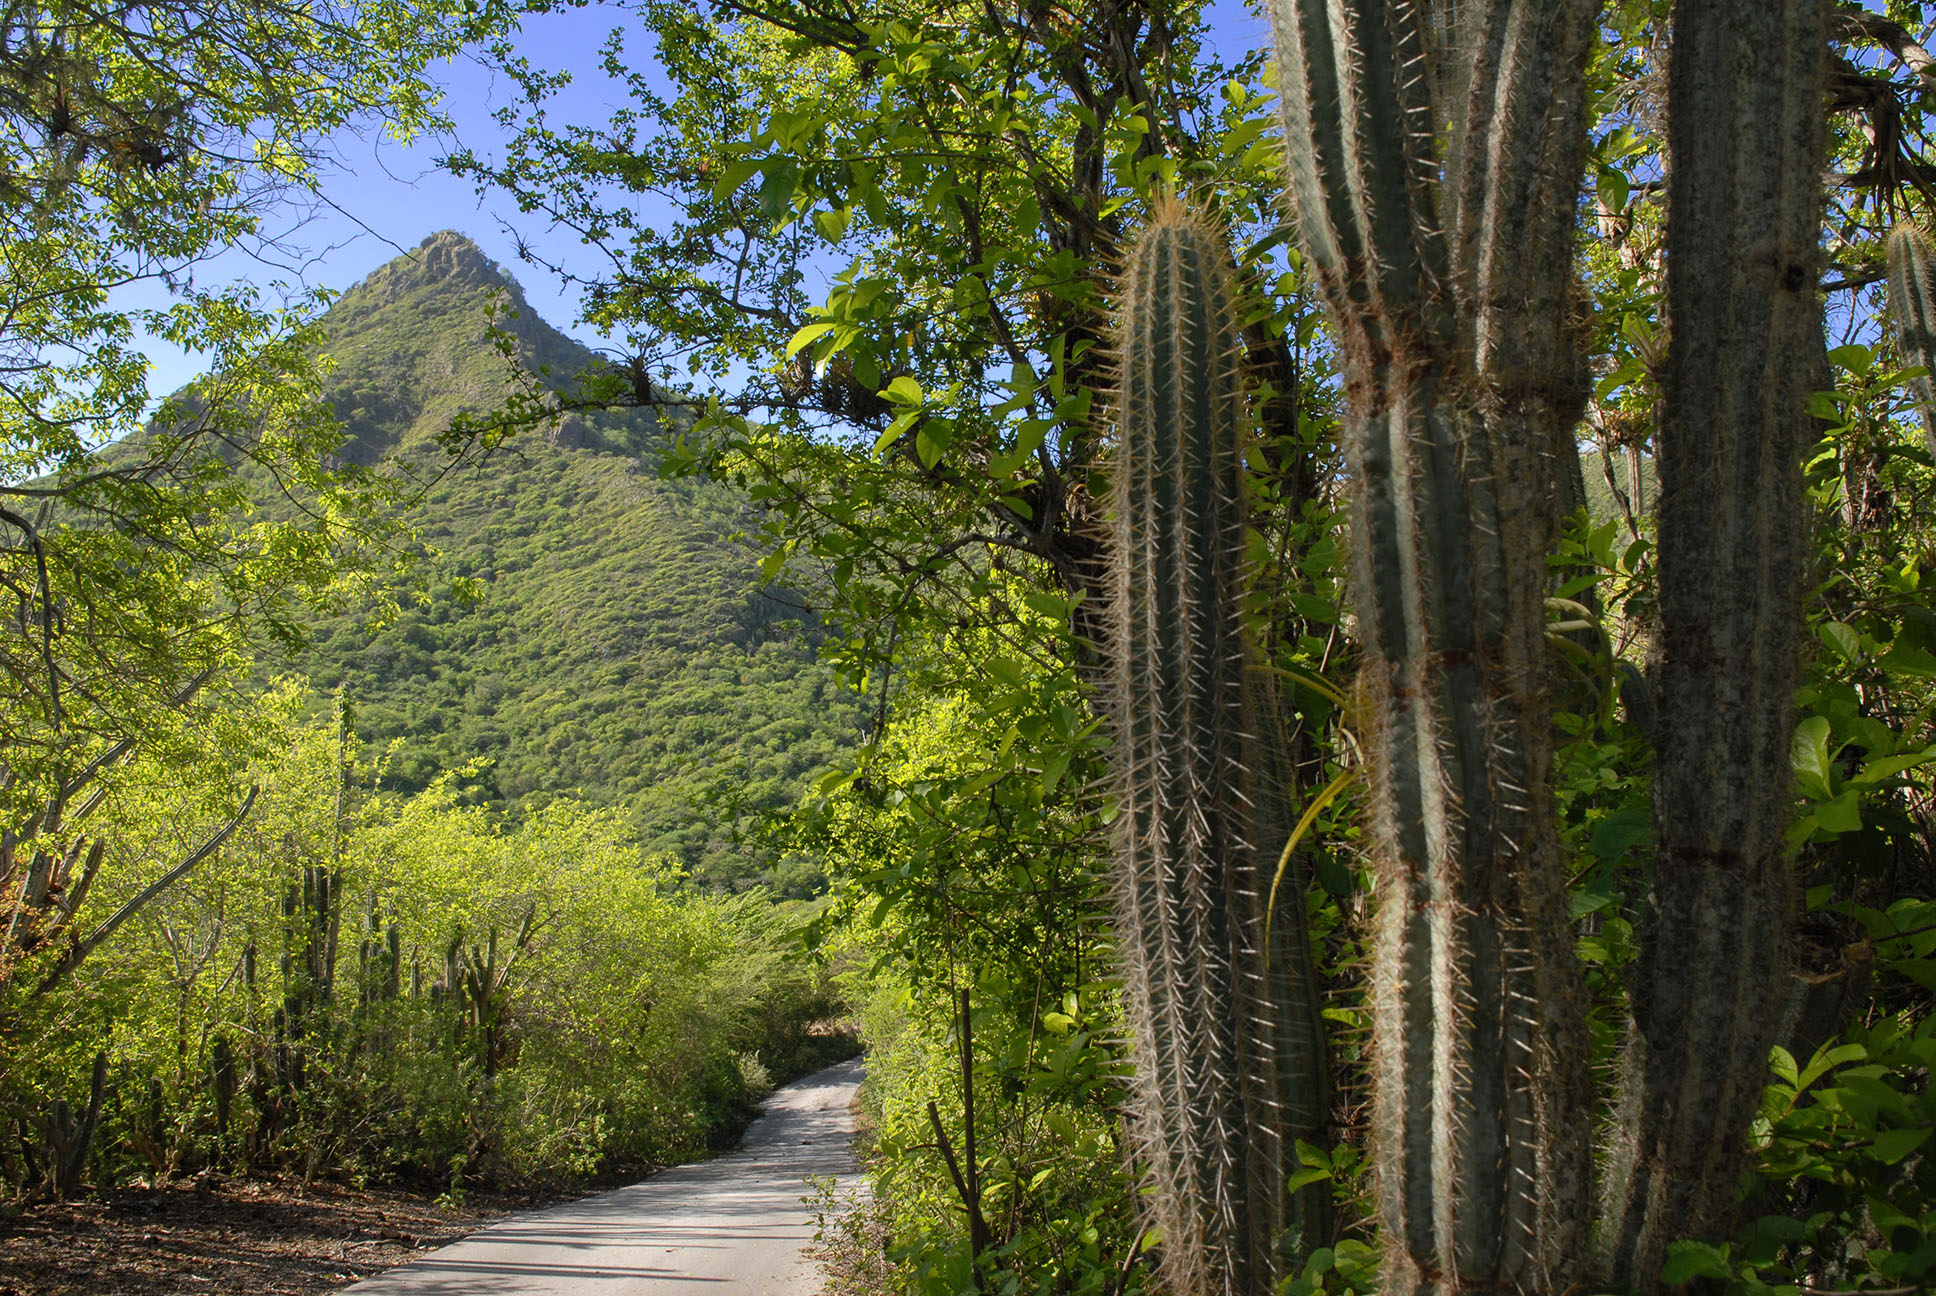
240 931
1513 814
136 145
1595 823
373 985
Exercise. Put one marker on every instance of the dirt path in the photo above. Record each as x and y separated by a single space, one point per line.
732 1225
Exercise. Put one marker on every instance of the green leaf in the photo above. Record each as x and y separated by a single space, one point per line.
1612 188
931 441
1887 767
1687 1261
1008 672
1809 754
1825 407
1841 815
903 391
895 431
736 175
1299 1178
1619 833
1906 659
805 336
1841 639
1053 769
1921 971
782 178
1892 1146
832 225
1048 604
1333 876
1827 1059
1590 899
1855 358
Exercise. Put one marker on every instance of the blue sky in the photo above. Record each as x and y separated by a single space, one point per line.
383 198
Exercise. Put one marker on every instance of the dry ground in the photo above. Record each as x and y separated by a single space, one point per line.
245 1238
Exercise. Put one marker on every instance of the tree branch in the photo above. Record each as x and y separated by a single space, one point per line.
82 948
1857 24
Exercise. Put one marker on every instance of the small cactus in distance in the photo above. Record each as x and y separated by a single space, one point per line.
1227 1035
1912 305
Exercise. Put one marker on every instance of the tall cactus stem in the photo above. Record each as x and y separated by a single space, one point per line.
1423 146
1222 993
1912 304
1745 138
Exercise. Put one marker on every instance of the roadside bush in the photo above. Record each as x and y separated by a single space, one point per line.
379 987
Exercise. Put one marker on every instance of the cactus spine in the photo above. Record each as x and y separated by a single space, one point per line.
1230 1056
1433 154
1912 300
1745 135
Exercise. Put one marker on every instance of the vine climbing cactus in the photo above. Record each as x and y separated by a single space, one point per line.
1434 153
1222 995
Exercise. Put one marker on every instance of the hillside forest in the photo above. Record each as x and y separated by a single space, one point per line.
1308 621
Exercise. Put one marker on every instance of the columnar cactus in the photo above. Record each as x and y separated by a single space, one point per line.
379 957
1912 301
1222 995
1745 136
478 989
1433 153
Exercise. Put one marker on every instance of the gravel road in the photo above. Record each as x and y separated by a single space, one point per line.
732 1225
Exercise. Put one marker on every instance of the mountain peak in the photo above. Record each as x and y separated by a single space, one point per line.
413 344
450 255
447 260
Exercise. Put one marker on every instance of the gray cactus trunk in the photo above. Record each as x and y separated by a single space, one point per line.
1221 989
1433 154
1745 136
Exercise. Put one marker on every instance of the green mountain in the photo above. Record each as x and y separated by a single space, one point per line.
593 630
1607 473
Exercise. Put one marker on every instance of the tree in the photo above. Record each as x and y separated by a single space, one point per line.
146 553
953 176
136 142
